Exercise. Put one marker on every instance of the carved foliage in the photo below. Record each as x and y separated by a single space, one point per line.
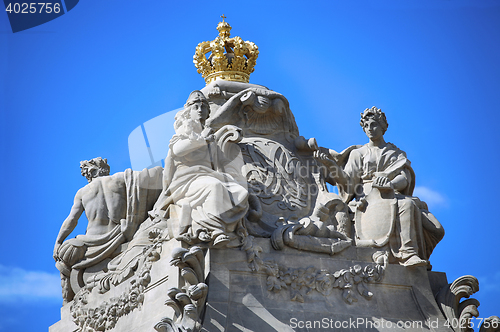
105 316
449 298
253 253
303 281
189 302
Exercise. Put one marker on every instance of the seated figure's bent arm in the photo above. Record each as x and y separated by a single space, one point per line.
400 182
71 221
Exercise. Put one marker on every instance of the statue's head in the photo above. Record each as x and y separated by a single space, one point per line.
196 109
94 168
373 115
195 97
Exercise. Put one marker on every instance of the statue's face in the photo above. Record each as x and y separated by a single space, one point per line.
373 129
199 111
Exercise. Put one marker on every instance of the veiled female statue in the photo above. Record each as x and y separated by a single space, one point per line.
204 194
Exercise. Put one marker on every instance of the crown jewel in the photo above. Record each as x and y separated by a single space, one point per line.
235 64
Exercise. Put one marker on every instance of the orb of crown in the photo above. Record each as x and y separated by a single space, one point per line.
226 58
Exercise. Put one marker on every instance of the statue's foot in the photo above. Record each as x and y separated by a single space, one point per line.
414 261
220 240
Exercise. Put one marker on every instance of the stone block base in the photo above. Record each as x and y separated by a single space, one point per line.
292 291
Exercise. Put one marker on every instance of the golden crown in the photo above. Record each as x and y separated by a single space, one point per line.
236 64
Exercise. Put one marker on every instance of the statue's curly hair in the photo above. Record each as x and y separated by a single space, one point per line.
94 168
377 115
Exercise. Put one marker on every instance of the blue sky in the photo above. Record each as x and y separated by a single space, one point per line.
76 87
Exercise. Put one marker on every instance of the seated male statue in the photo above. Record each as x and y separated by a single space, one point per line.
114 211
411 231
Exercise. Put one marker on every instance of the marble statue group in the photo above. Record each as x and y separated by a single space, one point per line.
203 196
239 179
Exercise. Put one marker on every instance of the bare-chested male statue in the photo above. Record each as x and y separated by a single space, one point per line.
113 211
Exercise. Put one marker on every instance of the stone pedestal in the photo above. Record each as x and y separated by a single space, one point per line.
239 300
145 308
318 291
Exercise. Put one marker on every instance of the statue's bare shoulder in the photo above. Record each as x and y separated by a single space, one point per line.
103 186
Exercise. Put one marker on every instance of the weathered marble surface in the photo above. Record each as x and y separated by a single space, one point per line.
377 180
115 206
135 305
245 235
241 299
